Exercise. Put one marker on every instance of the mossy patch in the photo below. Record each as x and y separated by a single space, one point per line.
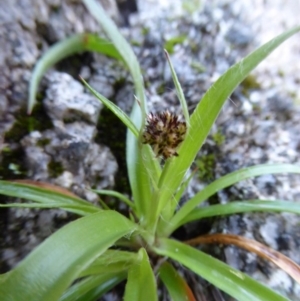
119 83
198 67
13 160
172 42
55 169
218 138
206 165
135 43
12 164
191 6
42 142
161 89
24 124
250 83
145 31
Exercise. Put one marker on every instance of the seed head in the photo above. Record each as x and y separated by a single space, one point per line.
164 132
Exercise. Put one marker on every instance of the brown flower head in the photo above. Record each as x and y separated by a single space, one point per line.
164 132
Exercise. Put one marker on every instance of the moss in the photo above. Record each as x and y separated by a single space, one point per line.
206 165
147 83
250 83
135 43
119 83
194 46
43 142
218 138
12 164
281 73
145 31
24 124
170 44
191 6
197 67
161 89
71 119
256 108
55 169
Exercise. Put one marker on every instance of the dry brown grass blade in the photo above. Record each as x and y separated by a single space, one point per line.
47 186
280 260
189 294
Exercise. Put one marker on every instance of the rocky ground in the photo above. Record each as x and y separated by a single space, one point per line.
72 141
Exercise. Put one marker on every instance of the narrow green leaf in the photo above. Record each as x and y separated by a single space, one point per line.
143 172
77 209
233 282
242 207
46 197
104 206
170 43
169 210
93 42
140 164
74 44
206 113
47 272
85 287
181 190
176 285
225 181
141 283
97 292
115 109
179 91
109 27
138 177
112 261
116 194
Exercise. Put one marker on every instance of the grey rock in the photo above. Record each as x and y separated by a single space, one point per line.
124 98
66 180
100 166
46 223
102 85
262 131
265 182
36 159
3 104
66 100
83 161
21 52
239 34
9 255
270 230
17 94
80 131
281 281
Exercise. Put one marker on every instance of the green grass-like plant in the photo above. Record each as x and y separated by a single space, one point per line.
77 261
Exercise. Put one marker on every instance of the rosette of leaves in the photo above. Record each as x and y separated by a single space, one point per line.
89 256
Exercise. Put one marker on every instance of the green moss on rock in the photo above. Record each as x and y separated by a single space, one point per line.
55 169
24 124
206 165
